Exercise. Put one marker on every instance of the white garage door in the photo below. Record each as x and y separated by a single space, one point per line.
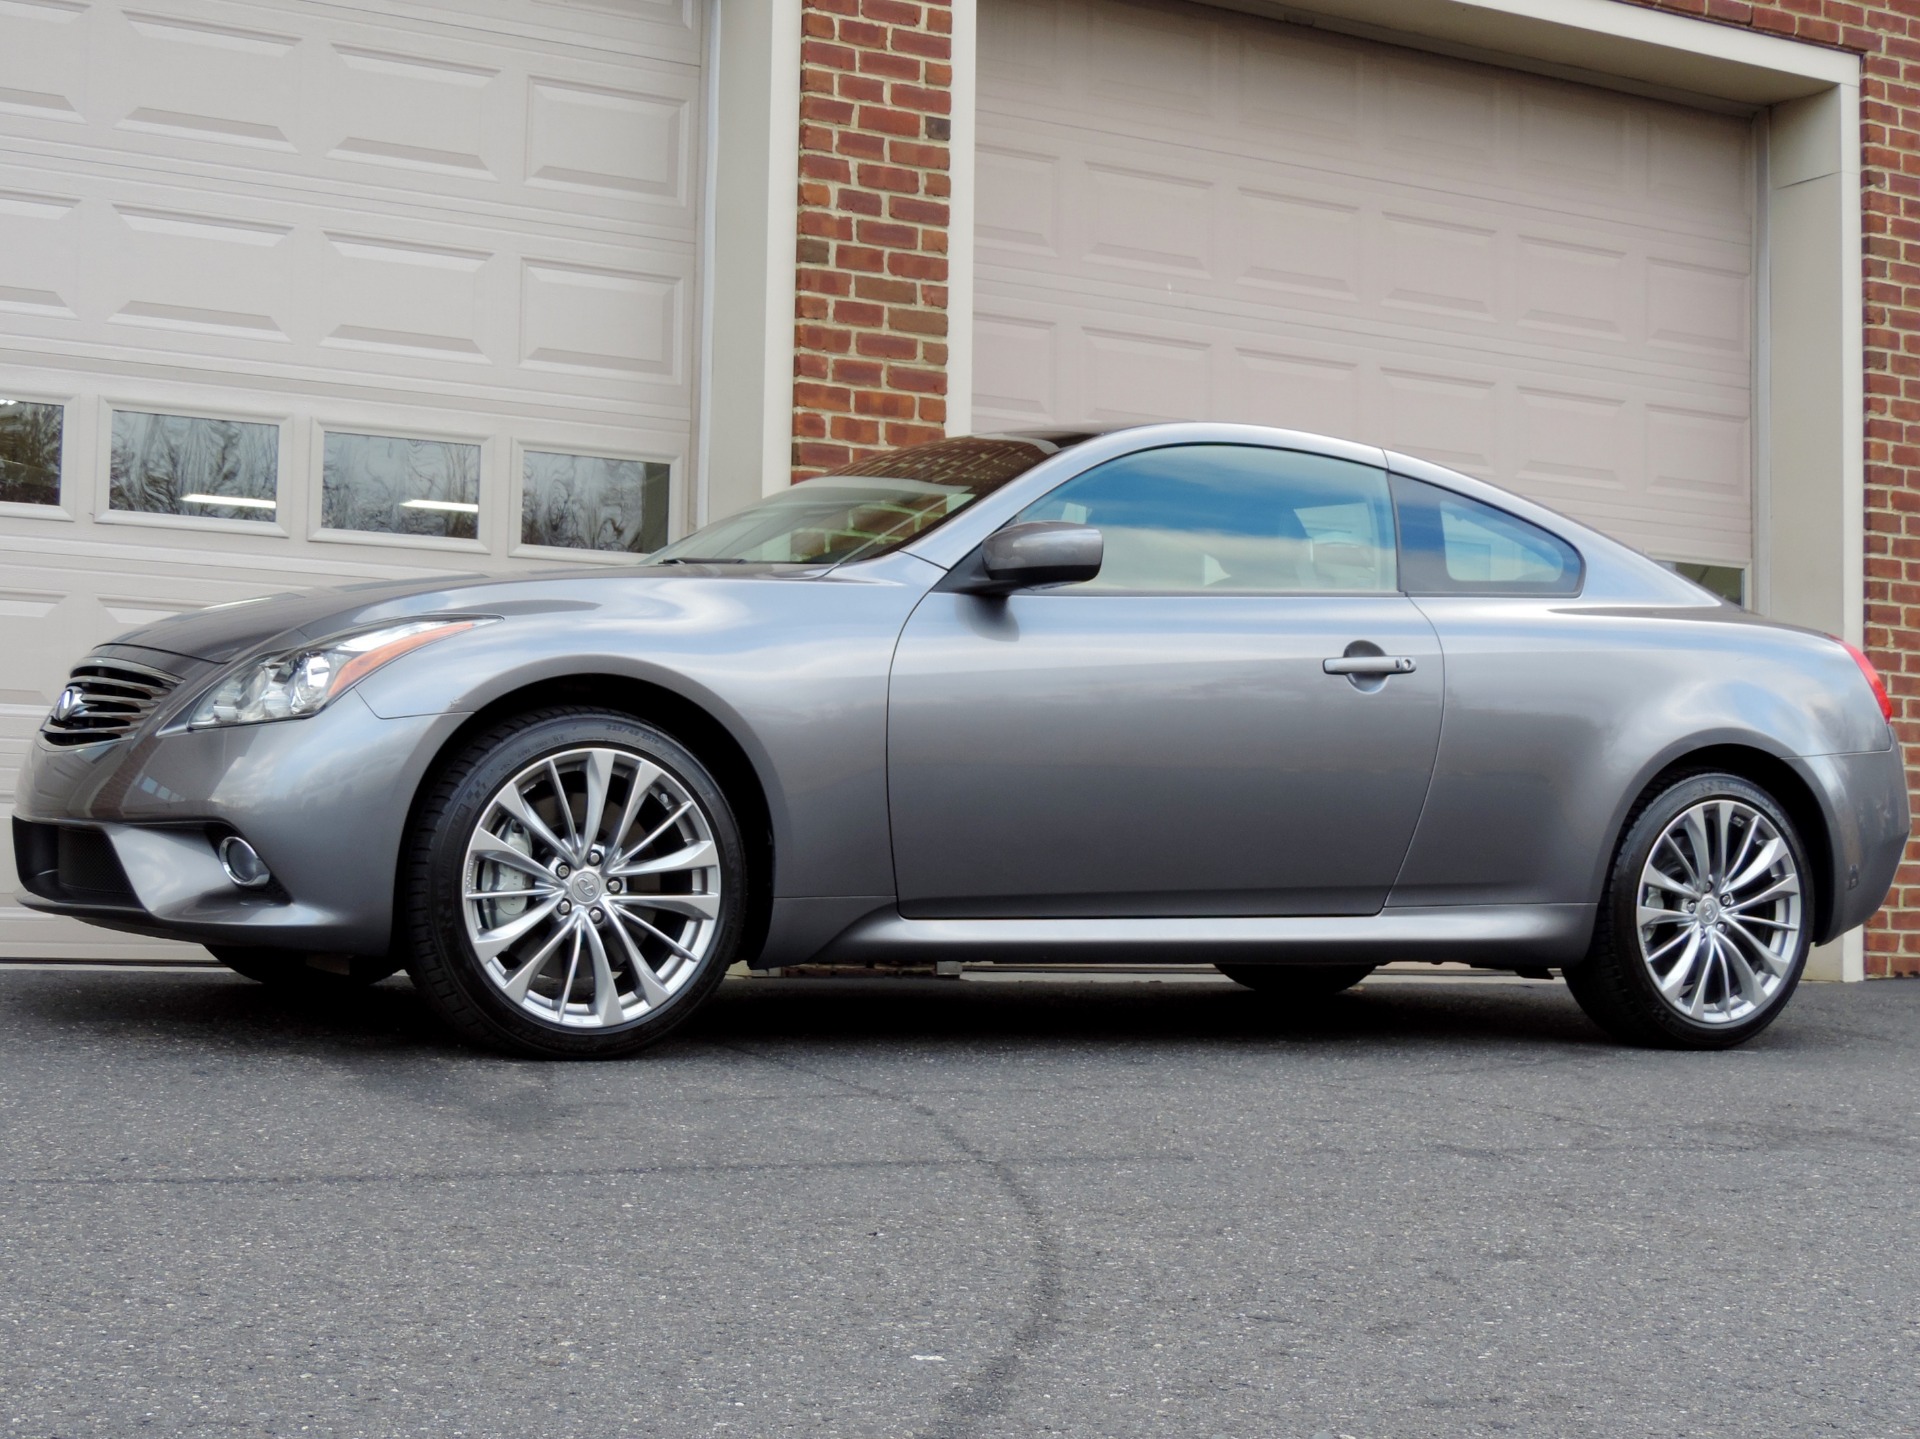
295 293
1190 213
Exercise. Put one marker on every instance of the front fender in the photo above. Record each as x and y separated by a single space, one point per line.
795 672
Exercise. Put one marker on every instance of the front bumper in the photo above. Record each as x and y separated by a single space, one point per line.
124 834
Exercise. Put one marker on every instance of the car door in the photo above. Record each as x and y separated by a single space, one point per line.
1239 716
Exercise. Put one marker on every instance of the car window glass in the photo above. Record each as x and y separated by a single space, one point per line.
1232 518
865 508
1451 545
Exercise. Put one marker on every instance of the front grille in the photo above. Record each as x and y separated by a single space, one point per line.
104 699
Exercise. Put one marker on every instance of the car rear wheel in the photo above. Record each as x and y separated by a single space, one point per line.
1296 981
575 887
1706 921
317 973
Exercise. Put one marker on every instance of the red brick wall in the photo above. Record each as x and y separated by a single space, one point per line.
870 354
870 350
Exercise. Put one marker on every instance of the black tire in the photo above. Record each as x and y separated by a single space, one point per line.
1296 981
1616 985
442 959
306 973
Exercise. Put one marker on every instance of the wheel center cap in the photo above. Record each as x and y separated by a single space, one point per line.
585 886
1709 911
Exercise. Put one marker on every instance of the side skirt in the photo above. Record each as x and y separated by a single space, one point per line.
1502 935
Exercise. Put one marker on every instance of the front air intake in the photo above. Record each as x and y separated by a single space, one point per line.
105 699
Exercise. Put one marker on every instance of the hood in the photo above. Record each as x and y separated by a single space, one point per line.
225 632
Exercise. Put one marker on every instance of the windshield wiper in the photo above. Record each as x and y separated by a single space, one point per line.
700 560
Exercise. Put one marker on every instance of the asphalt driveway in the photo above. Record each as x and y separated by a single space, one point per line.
933 1208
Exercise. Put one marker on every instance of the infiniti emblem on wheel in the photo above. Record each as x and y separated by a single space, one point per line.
585 886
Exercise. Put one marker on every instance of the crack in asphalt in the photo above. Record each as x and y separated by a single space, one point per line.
984 1392
462 1176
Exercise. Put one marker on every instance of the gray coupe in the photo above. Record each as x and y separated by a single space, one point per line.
1195 693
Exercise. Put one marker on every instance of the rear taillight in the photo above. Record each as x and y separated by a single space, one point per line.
1873 679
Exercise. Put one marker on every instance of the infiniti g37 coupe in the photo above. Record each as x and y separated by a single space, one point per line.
1194 692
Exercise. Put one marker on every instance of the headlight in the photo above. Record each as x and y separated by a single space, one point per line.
300 682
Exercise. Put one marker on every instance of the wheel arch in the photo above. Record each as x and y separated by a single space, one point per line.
1773 773
685 720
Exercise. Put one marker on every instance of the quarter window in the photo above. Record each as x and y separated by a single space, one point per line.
1205 519
1451 545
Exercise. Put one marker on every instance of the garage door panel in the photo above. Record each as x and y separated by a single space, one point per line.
304 289
1354 248
1543 284
364 101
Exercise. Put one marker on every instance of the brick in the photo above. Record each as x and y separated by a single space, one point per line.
921 97
887 291
882 403
916 211
918 267
888 235
907 347
920 156
899 434
917 380
890 66
918 322
859 372
886 120
889 177
858 145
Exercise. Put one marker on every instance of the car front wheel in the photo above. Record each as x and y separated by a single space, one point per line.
1706 920
575 886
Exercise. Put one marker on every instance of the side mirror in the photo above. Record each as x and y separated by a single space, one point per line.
1040 552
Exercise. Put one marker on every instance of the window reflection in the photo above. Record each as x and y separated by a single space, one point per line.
30 435
384 484
588 502
187 465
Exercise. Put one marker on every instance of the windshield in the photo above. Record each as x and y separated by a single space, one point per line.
863 509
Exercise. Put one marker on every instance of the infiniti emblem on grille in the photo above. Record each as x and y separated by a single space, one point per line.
71 705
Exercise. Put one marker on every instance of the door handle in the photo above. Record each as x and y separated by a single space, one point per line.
1369 665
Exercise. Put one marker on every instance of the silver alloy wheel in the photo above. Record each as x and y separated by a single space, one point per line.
591 888
1719 912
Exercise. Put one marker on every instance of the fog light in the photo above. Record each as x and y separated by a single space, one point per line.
243 864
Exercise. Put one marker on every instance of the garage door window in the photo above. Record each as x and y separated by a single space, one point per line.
30 452
1451 545
589 502
189 465
390 485
1207 519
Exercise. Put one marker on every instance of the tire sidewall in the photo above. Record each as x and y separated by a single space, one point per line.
1624 898
440 849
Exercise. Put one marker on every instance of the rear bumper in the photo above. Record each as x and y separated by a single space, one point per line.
124 835
1868 820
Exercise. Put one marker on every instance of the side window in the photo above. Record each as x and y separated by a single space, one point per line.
1201 519
1451 545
